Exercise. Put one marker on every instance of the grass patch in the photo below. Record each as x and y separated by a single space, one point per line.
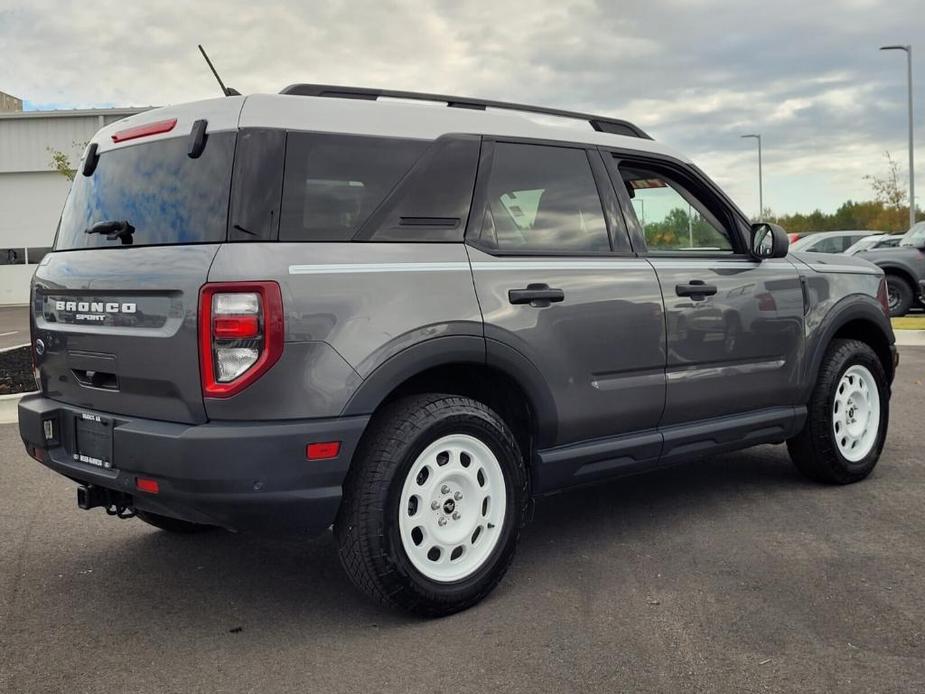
909 323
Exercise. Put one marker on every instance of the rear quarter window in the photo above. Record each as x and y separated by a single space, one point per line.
168 197
333 183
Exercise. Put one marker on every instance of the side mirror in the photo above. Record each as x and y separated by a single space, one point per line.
768 241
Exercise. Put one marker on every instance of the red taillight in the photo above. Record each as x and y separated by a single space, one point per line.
235 327
883 297
240 334
322 451
143 484
156 128
766 301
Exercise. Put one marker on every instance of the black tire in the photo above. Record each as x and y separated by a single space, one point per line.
900 295
366 529
814 450
173 525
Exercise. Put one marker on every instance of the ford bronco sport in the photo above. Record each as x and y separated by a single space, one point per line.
407 317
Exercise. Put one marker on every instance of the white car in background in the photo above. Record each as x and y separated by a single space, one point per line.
830 241
870 243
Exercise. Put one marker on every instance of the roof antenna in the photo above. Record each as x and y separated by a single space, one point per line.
227 91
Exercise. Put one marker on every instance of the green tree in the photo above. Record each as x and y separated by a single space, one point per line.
679 229
61 161
887 188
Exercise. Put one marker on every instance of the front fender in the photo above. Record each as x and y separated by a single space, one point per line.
855 307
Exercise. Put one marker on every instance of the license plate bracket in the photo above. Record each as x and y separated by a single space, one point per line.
93 440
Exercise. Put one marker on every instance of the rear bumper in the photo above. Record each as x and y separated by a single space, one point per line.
241 476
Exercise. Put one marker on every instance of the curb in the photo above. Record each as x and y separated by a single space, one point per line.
910 338
16 396
26 344
9 407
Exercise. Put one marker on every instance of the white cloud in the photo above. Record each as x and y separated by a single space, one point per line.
698 74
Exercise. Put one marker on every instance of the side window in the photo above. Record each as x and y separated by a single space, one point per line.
543 198
829 244
672 218
332 183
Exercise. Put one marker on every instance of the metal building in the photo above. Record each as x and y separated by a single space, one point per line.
32 192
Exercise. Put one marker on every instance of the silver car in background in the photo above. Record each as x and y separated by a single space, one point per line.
830 241
874 242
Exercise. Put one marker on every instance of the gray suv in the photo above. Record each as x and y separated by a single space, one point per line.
904 265
409 317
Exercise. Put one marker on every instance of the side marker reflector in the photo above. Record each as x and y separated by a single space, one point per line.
322 451
143 484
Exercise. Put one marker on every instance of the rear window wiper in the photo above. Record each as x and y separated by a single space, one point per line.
114 229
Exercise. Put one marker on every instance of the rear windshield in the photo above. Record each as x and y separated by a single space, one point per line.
168 197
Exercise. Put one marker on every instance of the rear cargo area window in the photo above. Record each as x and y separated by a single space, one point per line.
332 183
166 196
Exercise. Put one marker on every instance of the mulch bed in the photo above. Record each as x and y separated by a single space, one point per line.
16 371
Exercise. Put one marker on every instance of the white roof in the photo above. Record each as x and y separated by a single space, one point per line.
383 117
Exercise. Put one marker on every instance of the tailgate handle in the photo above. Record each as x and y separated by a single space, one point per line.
96 379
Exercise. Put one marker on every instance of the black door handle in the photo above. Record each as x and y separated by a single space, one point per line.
537 295
696 288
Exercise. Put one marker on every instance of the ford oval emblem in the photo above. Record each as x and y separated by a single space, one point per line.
39 347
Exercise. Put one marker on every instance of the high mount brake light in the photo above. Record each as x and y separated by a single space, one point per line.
240 334
156 128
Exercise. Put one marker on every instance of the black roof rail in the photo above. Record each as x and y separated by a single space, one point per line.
602 124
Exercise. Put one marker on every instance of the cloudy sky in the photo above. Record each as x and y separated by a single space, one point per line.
694 73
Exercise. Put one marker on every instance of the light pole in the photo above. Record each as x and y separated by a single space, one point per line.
690 226
908 50
760 177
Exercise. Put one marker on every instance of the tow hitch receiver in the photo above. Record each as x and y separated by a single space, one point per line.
116 504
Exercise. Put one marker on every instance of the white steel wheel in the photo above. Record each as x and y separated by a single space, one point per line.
452 508
856 413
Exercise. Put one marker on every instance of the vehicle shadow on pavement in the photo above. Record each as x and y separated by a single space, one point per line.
246 581
693 487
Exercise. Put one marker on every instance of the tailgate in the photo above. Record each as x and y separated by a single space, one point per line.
118 327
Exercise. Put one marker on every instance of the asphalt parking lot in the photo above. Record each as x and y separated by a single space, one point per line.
14 326
733 574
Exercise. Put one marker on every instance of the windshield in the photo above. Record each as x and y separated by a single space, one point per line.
863 244
915 236
168 197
